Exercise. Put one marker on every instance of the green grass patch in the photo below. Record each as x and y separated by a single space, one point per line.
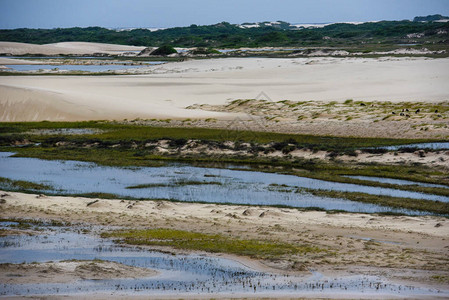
187 240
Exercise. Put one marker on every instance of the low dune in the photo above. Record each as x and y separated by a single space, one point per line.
37 104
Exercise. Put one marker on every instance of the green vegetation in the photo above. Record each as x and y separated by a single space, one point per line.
440 278
164 50
204 51
429 18
173 184
224 35
187 240
21 185
436 207
128 133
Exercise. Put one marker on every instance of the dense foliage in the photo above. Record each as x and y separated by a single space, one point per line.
228 35
430 18
164 50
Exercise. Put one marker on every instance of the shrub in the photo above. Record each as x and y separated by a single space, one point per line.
164 50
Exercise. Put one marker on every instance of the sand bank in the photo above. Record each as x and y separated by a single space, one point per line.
169 88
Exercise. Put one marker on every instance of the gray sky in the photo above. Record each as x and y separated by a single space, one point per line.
171 13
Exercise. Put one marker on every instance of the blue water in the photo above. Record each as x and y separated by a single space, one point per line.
433 146
237 187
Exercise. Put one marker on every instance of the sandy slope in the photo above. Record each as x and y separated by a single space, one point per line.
64 48
22 103
171 87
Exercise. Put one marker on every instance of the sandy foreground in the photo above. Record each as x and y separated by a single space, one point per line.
404 249
168 89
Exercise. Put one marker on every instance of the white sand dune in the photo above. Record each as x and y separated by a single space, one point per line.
173 86
36 104
64 48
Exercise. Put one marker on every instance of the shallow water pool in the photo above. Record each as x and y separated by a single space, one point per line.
183 182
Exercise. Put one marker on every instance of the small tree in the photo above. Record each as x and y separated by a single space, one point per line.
164 50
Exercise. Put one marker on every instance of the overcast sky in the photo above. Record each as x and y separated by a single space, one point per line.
171 13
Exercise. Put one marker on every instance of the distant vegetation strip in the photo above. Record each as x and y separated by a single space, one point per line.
226 35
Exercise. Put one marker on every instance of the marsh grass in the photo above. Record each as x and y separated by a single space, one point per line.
174 184
437 207
216 243
317 169
115 132
22 185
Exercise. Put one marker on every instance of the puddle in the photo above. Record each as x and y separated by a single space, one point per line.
230 186
66 131
432 146
178 274
397 181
